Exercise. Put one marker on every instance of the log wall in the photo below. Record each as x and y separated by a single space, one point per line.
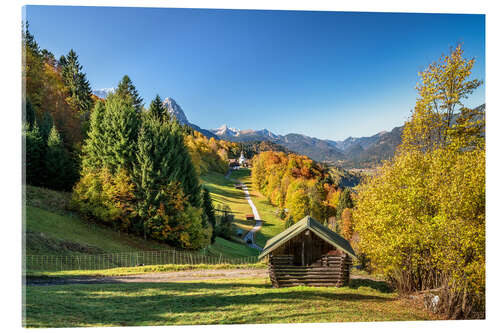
328 271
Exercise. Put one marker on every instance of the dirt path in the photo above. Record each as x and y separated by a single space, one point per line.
197 275
250 236
209 274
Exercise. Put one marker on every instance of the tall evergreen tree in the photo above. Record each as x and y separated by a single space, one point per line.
126 89
157 109
120 126
345 201
209 212
186 173
46 123
34 154
29 40
57 163
29 112
80 93
159 167
95 145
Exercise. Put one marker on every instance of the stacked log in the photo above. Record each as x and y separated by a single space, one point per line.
277 261
333 272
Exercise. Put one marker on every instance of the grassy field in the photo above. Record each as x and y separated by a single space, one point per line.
241 301
123 271
50 233
271 223
231 249
223 191
52 229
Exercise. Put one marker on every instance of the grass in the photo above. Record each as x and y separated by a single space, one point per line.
123 271
222 192
51 229
224 301
271 223
231 249
49 233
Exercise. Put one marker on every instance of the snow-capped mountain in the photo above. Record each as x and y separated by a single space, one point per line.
225 130
245 135
103 93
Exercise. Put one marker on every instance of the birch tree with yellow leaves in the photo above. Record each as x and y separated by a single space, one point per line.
421 217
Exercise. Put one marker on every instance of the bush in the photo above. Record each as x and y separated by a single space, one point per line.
421 222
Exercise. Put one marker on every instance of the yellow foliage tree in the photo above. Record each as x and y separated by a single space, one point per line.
421 217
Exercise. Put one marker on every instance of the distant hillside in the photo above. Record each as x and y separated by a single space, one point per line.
314 148
252 148
367 152
356 153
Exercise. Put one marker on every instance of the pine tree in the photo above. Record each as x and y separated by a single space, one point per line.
157 109
209 212
120 128
127 90
345 201
57 163
29 113
184 171
80 93
95 145
160 165
46 123
34 154
29 40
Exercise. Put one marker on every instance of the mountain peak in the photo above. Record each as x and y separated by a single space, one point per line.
226 130
175 110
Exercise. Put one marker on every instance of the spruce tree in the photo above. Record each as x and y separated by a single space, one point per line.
57 163
157 109
345 201
120 128
95 145
209 212
45 122
29 113
126 89
34 154
80 93
185 171
29 40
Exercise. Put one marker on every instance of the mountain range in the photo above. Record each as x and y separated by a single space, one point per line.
351 152
363 152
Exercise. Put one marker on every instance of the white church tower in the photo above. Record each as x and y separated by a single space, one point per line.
242 159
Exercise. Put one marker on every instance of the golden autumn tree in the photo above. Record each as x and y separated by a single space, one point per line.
421 217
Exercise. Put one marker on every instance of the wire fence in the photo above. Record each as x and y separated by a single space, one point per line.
130 259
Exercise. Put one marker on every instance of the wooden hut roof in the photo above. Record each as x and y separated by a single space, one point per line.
308 223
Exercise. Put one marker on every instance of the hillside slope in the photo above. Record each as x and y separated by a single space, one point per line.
52 229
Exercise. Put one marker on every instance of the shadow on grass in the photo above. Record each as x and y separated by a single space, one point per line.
173 303
381 286
225 193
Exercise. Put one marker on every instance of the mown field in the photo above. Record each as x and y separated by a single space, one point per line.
138 270
271 223
242 301
223 191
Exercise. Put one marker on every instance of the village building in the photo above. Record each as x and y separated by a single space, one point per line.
242 160
233 163
308 253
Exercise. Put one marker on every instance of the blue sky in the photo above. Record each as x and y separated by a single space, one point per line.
328 75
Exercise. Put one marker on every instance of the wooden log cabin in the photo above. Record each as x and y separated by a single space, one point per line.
308 253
